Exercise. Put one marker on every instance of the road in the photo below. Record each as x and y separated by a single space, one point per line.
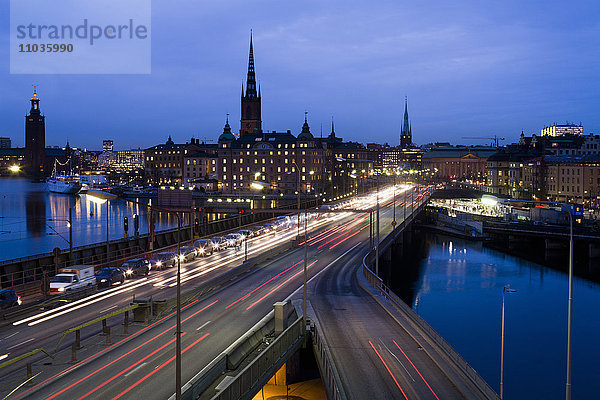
375 357
143 365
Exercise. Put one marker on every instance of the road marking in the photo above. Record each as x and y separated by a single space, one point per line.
9 336
418 372
321 271
135 369
203 325
106 309
17 345
388 370
397 359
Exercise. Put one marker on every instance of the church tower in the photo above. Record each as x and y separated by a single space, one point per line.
406 132
35 139
251 120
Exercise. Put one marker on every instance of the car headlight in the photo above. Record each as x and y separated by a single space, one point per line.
19 301
102 280
201 251
181 257
129 272
158 263
61 289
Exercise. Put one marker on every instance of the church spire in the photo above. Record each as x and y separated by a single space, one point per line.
406 132
250 121
332 130
251 79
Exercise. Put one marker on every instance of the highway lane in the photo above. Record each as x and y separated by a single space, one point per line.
375 357
279 279
45 328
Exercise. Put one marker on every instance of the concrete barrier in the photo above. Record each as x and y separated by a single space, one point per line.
209 374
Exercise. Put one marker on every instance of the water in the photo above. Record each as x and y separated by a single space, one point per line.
34 221
458 291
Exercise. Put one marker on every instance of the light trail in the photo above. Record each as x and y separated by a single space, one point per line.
66 371
280 285
416 369
159 368
388 370
126 286
87 303
129 352
275 277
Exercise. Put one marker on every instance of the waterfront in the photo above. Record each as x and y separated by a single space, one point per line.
456 286
34 221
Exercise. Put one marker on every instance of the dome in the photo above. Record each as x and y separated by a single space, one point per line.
226 135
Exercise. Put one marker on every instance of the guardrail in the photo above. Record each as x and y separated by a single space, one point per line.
105 328
29 364
203 379
427 330
256 374
329 375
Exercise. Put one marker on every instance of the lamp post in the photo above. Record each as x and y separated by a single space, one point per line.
505 289
305 244
493 200
377 235
70 223
394 222
178 331
298 193
110 196
305 268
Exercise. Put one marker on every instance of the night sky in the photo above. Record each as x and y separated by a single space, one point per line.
469 68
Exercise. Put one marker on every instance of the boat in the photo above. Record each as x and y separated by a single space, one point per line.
64 184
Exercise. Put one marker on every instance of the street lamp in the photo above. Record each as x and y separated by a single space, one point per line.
298 192
110 196
493 200
305 245
505 289
377 237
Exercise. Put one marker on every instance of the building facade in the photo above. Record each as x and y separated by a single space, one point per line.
457 162
560 130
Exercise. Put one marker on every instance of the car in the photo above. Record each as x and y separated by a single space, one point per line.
270 228
256 230
220 243
136 267
187 253
163 260
9 298
233 239
109 276
246 233
204 247
283 221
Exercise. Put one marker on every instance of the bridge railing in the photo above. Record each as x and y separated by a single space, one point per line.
427 330
329 374
255 375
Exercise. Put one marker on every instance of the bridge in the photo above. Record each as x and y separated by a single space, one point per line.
368 344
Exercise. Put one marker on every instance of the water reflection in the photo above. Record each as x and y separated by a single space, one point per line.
35 210
456 286
34 221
